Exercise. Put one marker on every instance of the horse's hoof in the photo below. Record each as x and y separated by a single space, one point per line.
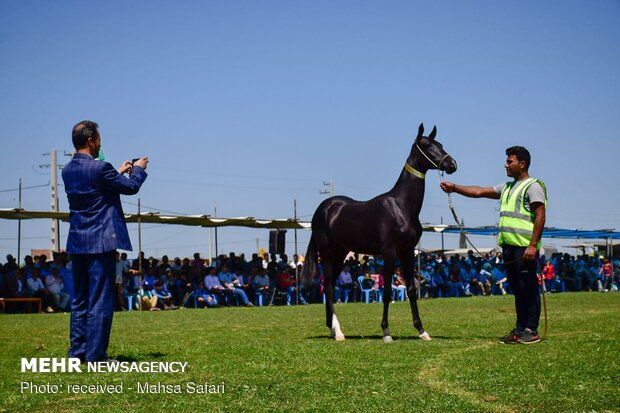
424 336
388 339
339 337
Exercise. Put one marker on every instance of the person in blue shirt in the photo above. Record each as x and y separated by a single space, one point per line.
203 297
481 280
164 298
230 282
499 277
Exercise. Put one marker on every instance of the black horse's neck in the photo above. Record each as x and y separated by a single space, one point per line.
409 188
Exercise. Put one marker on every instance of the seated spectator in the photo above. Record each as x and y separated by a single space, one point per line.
184 286
426 285
481 281
38 290
245 284
164 298
398 283
261 284
439 282
367 282
203 297
148 300
499 277
286 282
467 275
56 287
378 280
215 288
170 285
149 278
343 282
231 283
456 284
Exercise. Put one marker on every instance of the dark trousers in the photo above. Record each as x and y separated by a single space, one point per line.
93 304
523 280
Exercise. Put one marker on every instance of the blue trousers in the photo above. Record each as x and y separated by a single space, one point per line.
92 307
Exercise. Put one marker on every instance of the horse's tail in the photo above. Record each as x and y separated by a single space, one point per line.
310 269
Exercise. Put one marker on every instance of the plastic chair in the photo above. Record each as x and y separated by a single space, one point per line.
365 291
130 299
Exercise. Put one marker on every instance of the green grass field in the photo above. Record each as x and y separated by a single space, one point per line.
280 359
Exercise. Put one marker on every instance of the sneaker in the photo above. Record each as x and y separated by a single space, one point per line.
511 338
528 337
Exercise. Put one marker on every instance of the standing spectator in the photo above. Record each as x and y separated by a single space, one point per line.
120 287
606 271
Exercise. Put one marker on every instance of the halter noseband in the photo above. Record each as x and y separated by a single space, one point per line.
429 159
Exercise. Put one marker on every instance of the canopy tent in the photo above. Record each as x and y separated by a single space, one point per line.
548 232
289 223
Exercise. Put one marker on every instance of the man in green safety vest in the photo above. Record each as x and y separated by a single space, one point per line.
522 219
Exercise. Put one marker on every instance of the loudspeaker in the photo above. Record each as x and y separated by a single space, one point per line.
277 241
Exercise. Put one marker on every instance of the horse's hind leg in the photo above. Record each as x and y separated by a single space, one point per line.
388 272
407 266
330 272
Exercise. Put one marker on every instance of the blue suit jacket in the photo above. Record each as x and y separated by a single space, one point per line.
97 221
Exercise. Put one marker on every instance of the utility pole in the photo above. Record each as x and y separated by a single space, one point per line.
19 226
55 236
329 184
442 246
295 217
54 166
217 261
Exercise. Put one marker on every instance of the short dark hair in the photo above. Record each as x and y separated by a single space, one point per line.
82 131
521 154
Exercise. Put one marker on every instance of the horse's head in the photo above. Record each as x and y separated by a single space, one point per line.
430 153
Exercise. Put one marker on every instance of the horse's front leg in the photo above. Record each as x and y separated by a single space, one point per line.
388 272
408 268
331 320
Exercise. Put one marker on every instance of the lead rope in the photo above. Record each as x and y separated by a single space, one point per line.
456 219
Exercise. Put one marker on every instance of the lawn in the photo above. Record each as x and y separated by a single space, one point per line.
280 359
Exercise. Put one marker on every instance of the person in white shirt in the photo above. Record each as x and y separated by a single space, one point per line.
56 287
38 290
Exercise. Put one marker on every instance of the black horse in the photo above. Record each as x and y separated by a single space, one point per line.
388 225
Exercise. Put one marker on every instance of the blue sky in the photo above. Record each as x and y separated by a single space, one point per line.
250 105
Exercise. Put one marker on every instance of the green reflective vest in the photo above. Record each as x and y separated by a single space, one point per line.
515 222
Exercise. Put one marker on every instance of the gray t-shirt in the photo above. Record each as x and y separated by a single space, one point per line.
535 193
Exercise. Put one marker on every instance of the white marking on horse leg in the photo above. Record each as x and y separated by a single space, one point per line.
424 336
336 332
387 339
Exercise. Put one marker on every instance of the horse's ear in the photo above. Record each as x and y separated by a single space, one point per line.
421 130
433 133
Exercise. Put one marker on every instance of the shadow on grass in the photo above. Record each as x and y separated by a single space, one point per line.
153 355
378 337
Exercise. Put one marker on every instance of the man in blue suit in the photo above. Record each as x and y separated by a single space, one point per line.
97 229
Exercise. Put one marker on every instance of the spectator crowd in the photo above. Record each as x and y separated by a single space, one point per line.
231 280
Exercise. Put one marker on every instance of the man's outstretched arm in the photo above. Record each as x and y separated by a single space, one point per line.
469 191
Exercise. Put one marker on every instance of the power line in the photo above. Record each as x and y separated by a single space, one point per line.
26 187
